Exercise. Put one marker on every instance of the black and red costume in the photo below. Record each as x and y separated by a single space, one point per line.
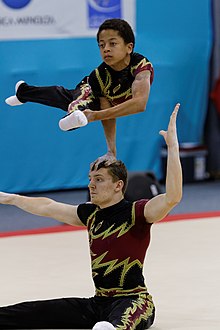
103 81
119 236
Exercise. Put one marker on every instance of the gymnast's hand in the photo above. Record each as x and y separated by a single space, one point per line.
170 136
90 115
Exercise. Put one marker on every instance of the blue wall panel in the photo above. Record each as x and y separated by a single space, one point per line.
177 37
36 155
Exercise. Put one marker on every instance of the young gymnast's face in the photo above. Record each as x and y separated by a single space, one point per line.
114 51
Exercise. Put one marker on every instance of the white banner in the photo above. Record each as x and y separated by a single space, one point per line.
47 19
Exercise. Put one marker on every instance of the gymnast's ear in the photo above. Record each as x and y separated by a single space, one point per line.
119 185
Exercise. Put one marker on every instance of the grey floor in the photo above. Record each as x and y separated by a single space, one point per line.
197 197
182 268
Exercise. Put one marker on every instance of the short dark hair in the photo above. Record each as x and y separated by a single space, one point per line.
124 29
117 170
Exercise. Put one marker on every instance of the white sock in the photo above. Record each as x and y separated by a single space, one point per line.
73 120
103 325
18 84
13 100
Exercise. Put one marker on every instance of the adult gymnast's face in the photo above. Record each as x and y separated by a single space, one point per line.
103 190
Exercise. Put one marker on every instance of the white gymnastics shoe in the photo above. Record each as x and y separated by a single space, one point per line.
13 100
103 325
73 120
